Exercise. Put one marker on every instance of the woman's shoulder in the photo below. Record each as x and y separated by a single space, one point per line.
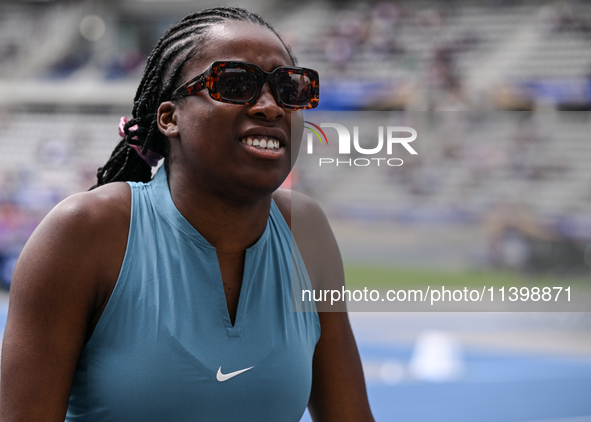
104 204
300 208
87 229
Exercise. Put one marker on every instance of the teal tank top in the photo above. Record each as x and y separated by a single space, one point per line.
165 349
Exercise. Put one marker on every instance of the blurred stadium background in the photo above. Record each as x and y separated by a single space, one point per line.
501 189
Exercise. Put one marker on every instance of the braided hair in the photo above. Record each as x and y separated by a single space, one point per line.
161 75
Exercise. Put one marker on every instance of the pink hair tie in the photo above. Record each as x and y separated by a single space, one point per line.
122 127
150 157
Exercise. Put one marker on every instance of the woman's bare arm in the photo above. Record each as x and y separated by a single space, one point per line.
62 280
338 386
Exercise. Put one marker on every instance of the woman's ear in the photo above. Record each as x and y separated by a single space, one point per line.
166 119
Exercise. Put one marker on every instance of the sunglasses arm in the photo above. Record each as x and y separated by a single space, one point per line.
191 87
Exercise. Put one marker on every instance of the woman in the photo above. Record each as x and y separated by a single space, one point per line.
117 310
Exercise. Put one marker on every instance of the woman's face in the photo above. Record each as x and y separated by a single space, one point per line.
211 148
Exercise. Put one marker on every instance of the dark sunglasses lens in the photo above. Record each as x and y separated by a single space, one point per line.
237 84
294 89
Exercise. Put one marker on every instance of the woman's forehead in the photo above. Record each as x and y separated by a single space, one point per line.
240 41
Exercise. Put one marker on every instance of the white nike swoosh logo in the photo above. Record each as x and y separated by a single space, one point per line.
225 377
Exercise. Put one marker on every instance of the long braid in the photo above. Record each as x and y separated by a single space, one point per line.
163 70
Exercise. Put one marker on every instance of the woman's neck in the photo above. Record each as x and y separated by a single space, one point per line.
229 222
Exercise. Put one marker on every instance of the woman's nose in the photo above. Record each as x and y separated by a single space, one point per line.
266 106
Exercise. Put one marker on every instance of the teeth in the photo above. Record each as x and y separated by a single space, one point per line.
262 143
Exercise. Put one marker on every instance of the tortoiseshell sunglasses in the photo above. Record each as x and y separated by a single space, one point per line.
294 88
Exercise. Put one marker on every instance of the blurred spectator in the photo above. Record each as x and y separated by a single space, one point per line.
126 63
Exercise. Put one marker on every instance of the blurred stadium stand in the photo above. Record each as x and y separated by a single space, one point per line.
401 55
